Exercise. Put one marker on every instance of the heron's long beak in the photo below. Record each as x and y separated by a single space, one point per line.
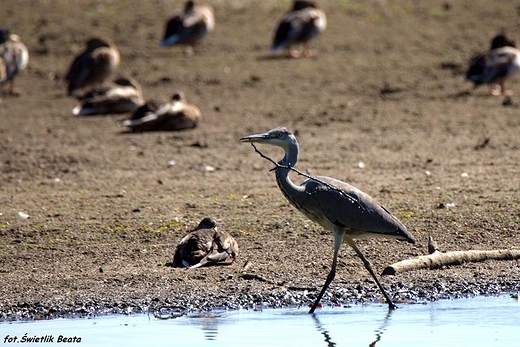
254 138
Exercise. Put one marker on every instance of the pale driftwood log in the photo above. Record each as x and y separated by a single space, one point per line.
437 259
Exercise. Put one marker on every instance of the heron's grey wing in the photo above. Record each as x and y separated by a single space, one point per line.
347 207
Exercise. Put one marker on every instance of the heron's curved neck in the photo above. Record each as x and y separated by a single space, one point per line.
291 191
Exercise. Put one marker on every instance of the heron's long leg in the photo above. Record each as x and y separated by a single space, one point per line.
353 244
338 240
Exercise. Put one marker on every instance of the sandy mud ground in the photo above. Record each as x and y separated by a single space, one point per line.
106 208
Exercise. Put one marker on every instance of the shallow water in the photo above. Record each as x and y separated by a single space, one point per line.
480 321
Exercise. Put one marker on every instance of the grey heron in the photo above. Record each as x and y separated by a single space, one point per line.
335 205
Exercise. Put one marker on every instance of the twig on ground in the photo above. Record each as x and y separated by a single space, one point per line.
437 259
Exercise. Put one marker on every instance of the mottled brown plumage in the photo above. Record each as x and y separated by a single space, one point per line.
177 114
189 25
495 66
120 96
93 66
300 25
15 57
205 246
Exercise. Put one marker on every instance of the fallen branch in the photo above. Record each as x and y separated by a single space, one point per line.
437 259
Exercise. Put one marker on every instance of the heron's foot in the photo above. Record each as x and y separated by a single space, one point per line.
315 305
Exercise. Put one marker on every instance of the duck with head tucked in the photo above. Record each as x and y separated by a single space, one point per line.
177 114
120 96
205 246
495 66
300 25
189 25
14 57
93 66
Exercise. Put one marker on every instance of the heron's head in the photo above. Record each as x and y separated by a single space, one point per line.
280 137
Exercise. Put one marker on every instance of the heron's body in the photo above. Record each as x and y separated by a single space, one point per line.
496 65
337 206
15 57
120 96
205 246
300 25
189 25
95 65
177 114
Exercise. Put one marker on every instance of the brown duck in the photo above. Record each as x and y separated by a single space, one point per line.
495 66
177 114
205 246
120 96
14 58
301 24
189 25
93 66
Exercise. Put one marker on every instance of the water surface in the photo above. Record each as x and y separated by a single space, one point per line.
480 321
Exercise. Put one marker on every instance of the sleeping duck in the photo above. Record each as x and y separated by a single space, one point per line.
120 96
205 246
177 114
189 25
300 25
15 57
496 65
93 66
